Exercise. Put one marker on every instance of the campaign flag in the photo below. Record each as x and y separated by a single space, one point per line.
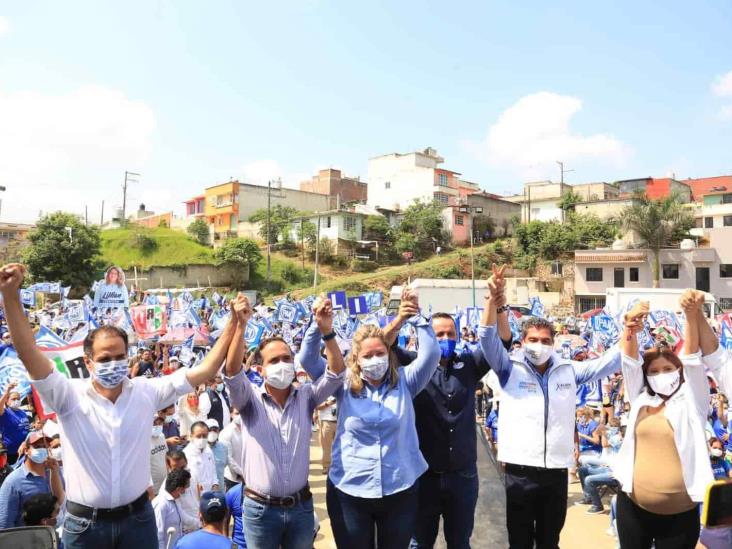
69 359
339 299
80 334
218 319
473 315
307 303
12 369
253 333
371 320
374 300
148 320
537 307
288 312
726 337
358 305
28 297
514 325
46 338
341 324
75 313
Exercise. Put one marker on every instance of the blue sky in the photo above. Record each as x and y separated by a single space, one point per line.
192 93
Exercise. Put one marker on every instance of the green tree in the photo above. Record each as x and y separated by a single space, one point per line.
57 254
376 227
484 226
281 220
659 224
569 201
198 230
308 233
239 251
422 228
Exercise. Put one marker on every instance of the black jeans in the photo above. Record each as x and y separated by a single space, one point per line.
452 495
353 519
639 529
536 506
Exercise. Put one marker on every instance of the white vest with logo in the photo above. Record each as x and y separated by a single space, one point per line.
534 430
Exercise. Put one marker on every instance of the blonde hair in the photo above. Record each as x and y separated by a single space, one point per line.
363 333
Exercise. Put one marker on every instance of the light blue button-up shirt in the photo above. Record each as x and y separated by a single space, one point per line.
376 449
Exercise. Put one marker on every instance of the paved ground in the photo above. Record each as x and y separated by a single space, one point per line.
582 531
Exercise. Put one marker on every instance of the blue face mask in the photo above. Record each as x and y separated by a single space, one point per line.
447 347
39 455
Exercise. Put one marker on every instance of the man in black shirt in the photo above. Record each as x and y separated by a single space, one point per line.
445 418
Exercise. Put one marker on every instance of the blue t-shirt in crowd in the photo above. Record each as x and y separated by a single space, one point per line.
14 426
233 502
18 487
492 423
720 468
587 429
201 539
728 446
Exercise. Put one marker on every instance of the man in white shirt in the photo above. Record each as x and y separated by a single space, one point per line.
104 424
167 510
201 462
231 436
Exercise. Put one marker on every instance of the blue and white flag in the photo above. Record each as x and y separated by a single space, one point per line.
12 369
288 312
726 337
358 305
374 300
537 307
339 299
46 338
253 333
75 313
473 315
28 297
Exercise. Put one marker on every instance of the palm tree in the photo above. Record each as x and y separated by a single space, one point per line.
659 223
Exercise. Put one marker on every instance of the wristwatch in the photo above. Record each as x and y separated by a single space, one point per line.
329 336
503 309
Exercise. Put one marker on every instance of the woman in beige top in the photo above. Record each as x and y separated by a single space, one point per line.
663 466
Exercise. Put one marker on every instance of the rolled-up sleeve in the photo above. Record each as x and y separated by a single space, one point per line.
632 376
57 392
240 389
325 386
695 376
720 365
168 388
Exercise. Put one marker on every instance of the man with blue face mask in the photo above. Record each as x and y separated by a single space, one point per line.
105 424
29 479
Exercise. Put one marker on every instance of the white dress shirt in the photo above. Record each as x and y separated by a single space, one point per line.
167 514
188 507
231 436
202 466
106 444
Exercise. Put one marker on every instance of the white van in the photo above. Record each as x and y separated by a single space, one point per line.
617 299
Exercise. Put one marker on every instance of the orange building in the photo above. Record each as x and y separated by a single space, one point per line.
222 206
152 221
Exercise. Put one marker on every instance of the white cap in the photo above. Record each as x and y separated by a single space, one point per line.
211 422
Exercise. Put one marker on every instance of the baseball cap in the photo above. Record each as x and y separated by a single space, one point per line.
213 506
211 422
35 436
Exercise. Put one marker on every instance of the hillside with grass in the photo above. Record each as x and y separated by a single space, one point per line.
142 248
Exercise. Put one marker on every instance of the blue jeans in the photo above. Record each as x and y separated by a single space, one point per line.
354 519
592 477
137 530
450 495
270 527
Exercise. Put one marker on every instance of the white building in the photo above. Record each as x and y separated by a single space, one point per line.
342 227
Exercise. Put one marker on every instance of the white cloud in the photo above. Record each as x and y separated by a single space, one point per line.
65 151
4 25
722 85
533 133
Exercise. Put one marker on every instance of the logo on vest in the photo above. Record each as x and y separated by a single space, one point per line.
564 386
528 386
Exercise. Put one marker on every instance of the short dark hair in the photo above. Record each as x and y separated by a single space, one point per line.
255 358
176 454
106 330
198 424
38 507
447 316
538 323
177 478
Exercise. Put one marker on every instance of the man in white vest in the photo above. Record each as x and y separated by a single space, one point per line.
537 422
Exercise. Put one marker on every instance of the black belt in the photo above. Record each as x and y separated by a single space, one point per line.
90 513
519 469
287 501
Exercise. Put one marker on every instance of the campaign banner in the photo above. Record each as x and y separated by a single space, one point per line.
28 298
358 305
69 359
339 299
149 320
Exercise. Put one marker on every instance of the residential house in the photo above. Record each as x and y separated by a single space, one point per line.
13 238
156 220
540 201
703 186
343 227
655 188
334 184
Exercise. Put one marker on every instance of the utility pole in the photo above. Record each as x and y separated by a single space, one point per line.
101 218
128 179
86 214
562 171
317 254
302 241
269 205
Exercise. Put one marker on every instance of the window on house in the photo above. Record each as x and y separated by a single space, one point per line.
633 274
593 274
557 268
725 303
442 179
727 198
458 220
727 221
725 270
387 185
708 222
349 223
441 198
670 271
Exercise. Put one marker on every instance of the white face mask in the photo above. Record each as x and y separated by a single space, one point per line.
169 419
220 387
538 353
280 375
110 374
374 367
213 437
200 443
56 453
664 384
157 430
236 420
14 404
716 452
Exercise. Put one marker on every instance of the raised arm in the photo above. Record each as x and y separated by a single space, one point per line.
406 311
237 383
328 383
631 365
419 372
11 278
215 358
55 482
309 354
4 399
490 342
692 302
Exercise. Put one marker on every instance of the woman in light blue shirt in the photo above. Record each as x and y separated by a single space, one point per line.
376 459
